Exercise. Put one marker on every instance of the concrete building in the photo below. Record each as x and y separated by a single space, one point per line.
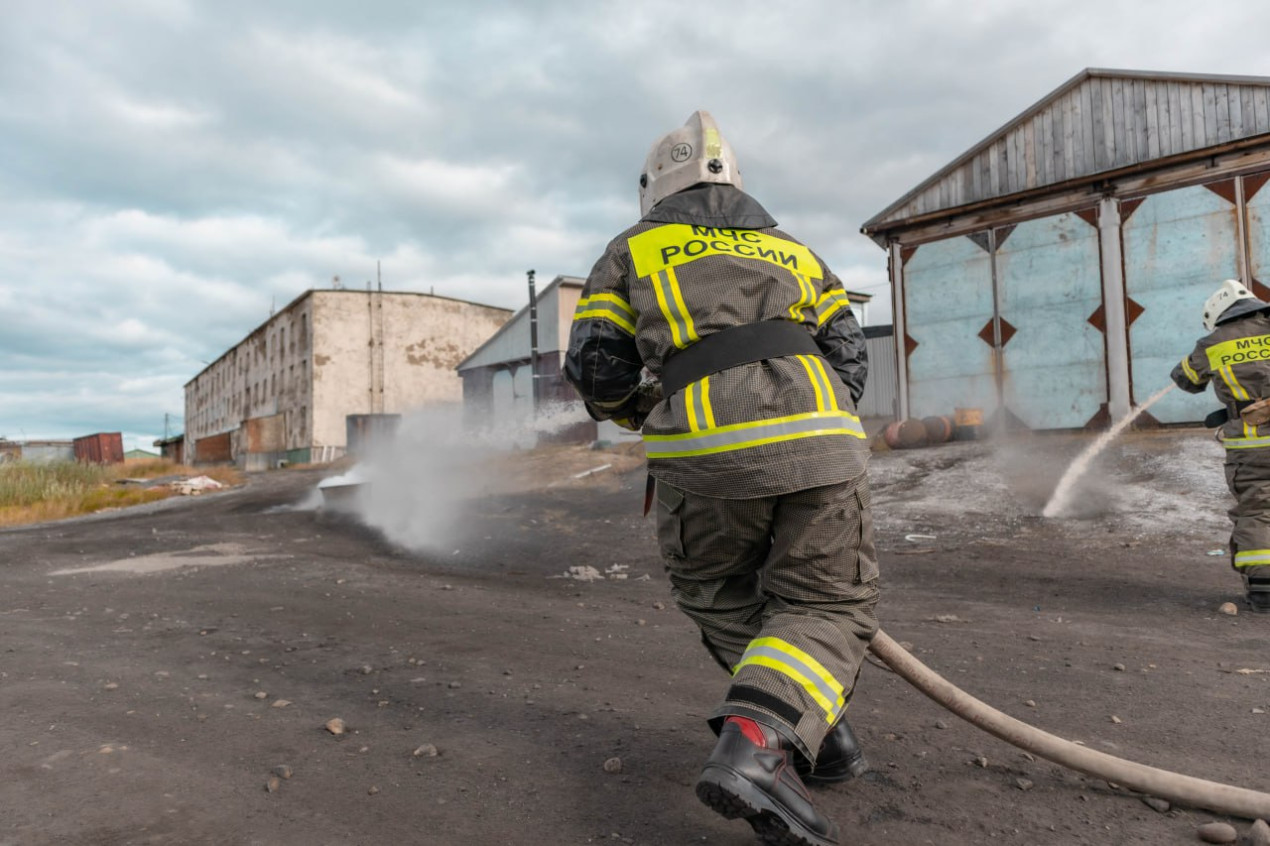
1054 273
285 392
498 382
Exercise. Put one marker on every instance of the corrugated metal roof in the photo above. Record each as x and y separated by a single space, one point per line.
483 355
1096 122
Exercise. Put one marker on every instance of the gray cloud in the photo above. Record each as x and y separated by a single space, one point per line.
175 167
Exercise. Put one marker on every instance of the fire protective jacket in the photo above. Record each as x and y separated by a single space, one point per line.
701 261
1235 357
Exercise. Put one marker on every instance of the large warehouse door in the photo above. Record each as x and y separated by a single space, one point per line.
1053 357
1178 246
947 302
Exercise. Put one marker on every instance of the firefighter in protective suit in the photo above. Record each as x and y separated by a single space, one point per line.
1235 357
750 431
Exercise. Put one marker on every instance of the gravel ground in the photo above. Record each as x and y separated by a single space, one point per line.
168 673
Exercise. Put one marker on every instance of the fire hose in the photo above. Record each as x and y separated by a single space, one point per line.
1182 789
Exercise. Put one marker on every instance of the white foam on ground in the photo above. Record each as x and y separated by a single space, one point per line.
213 555
1157 484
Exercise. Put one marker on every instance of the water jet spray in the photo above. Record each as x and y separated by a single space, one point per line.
1062 494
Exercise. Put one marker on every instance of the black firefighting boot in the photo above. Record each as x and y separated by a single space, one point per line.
1259 595
750 775
840 758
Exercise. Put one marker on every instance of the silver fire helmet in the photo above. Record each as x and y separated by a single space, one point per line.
1227 294
695 152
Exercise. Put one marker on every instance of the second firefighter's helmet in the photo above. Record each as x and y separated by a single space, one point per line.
694 153
1221 306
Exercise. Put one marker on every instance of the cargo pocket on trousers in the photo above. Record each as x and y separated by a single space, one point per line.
866 554
670 530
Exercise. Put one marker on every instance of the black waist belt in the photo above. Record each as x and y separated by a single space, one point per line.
1223 415
733 347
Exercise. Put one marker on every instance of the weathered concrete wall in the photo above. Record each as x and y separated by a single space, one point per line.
330 354
386 353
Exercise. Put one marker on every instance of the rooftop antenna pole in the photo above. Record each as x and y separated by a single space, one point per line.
533 344
379 276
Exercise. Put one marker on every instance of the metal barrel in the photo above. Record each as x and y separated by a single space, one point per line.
904 434
939 428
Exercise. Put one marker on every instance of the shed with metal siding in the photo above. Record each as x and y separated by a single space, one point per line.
881 390
1053 274
38 452
498 384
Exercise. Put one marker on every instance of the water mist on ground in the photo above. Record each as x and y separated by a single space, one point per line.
1061 497
419 486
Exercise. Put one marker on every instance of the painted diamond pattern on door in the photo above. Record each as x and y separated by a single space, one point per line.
1054 371
947 298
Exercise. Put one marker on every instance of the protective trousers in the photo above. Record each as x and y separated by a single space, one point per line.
1248 477
784 589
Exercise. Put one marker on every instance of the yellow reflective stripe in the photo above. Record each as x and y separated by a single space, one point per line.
604 314
613 299
1236 389
714 145
1245 443
691 330
782 667
815 382
675 244
1190 371
739 436
823 316
806 298
782 656
1238 351
831 401
705 403
663 302
808 661
690 405
829 304
1252 558
670 300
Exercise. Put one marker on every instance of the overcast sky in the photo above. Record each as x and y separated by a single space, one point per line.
171 169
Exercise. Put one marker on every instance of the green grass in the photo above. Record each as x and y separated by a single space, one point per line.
37 492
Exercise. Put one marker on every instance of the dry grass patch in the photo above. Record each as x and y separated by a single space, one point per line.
34 493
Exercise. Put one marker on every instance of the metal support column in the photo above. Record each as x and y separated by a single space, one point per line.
1113 301
900 330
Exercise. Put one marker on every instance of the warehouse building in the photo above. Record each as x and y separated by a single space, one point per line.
498 377
1054 273
286 391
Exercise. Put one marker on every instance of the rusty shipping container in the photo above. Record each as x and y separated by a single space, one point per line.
214 449
100 448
